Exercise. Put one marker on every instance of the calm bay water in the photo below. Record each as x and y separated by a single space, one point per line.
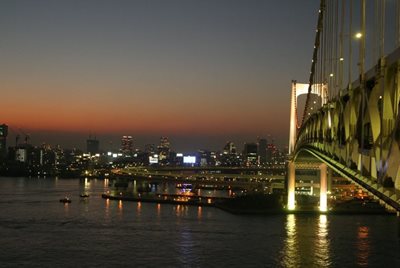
36 230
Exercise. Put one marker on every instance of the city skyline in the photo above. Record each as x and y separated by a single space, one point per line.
114 142
200 73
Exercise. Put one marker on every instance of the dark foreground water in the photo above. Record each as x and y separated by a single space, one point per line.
36 230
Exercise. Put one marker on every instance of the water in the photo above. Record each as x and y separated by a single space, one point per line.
36 230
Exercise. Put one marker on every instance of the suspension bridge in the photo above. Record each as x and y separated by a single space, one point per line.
350 121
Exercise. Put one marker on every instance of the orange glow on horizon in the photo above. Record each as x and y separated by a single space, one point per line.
99 111
104 123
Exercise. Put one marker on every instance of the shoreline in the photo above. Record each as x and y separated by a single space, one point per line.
261 212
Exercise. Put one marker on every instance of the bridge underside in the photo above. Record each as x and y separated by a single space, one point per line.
390 196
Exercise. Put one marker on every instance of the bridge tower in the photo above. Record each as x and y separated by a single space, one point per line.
321 91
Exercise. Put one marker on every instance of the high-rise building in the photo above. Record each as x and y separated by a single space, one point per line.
3 140
229 157
127 145
262 150
163 149
230 148
272 151
92 146
250 154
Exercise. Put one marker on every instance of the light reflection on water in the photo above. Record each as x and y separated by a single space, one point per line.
139 208
120 205
322 243
363 246
107 210
66 209
290 250
307 242
186 245
181 210
158 209
109 233
86 184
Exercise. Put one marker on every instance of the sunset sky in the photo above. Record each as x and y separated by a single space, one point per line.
200 72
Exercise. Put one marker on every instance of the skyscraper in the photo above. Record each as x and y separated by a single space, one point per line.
163 149
92 146
127 145
3 140
230 148
262 150
271 153
250 154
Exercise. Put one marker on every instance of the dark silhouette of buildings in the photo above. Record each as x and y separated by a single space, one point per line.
262 151
92 146
250 154
3 140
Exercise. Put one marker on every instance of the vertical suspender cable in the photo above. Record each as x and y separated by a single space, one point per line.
350 44
381 78
375 32
326 63
336 59
382 30
329 47
319 81
340 86
323 48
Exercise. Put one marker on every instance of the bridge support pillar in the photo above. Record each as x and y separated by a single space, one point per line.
323 198
291 185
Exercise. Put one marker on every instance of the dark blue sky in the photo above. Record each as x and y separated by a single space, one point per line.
200 72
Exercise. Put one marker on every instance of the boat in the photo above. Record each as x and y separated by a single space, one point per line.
65 200
84 195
